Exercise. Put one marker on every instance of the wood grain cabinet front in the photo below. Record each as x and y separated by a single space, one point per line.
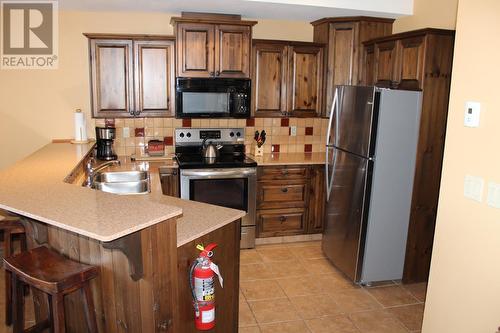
170 185
287 78
132 76
212 48
290 200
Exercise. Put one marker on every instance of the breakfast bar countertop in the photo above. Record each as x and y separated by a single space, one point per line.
35 188
289 159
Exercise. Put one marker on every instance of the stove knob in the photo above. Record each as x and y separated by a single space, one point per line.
238 134
231 134
181 135
188 135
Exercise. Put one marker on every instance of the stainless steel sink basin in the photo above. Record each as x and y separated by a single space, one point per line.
122 182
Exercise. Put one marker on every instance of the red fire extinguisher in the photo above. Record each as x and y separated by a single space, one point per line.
201 279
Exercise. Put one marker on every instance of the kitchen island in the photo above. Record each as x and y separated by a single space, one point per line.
142 244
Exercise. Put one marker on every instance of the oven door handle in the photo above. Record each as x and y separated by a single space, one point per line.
219 172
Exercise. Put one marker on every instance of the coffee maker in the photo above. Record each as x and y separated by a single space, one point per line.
104 137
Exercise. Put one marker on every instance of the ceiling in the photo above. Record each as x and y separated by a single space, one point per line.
304 10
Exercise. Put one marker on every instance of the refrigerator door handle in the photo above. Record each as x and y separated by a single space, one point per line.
330 120
329 182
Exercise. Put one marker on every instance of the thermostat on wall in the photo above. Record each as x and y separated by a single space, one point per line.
472 110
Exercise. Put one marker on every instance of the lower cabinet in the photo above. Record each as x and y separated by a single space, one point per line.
290 200
169 178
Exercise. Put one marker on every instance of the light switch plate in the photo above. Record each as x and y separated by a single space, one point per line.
473 188
493 195
126 132
293 130
471 116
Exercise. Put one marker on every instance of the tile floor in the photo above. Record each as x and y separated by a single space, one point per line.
292 288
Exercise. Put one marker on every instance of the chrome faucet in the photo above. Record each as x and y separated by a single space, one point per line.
91 171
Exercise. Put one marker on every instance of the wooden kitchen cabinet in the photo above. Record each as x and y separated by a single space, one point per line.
214 45
343 61
287 78
290 200
169 178
419 60
132 75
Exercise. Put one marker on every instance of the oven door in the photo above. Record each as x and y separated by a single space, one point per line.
232 188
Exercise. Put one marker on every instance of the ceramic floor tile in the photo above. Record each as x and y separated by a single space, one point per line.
315 306
318 266
300 286
336 324
334 282
249 257
288 327
289 268
378 321
276 310
354 300
418 290
306 243
252 329
261 289
307 252
245 317
269 254
255 271
392 296
410 315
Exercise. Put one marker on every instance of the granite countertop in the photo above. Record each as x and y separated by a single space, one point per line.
290 159
35 188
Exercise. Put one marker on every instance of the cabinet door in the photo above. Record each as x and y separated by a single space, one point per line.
169 178
154 78
269 79
410 63
385 63
195 49
112 79
232 51
317 200
304 80
368 77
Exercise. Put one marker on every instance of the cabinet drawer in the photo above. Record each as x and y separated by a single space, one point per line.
281 222
278 195
283 172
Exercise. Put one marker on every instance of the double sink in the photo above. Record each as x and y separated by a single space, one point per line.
122 182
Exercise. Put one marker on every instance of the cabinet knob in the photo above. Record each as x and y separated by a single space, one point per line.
211 73
284 172
282 219
217 73
284 189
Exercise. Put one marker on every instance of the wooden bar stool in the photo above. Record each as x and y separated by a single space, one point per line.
11 227
56 276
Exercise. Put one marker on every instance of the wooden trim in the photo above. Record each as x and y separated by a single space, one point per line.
352 18
286 42
176 20
214 16
128 36
414 33
130 246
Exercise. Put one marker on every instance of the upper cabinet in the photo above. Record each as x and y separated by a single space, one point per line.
344 39
287 78
132 76
213 45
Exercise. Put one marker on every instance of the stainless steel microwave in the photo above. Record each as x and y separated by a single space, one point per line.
212 98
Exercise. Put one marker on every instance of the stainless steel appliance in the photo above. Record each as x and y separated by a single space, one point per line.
370 163
212 98
105 137
229 179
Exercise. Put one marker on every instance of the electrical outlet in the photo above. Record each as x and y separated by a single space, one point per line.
293 130
471 117
126 132
473 187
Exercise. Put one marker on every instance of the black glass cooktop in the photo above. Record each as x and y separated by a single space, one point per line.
196 161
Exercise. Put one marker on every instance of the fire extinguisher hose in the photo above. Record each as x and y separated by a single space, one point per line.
191 284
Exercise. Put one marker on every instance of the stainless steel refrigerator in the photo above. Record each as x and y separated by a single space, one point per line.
370 163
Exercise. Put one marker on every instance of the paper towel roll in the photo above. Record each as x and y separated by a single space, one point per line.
80 126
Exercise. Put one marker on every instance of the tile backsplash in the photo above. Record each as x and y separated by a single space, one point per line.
310 136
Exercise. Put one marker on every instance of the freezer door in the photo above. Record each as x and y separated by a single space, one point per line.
345 223
354 120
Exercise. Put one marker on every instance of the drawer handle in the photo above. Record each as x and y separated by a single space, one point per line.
284 172
282 219
284 189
